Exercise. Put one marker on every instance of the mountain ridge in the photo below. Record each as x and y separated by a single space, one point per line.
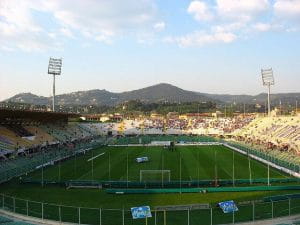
162 92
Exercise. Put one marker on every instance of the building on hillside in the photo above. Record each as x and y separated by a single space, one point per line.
276 112
156 116
98 117
116 117
195 115
173 115
217 114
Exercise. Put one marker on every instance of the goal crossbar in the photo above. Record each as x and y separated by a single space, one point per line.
162 173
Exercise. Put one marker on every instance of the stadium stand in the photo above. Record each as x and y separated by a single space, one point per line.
19 130
40 135
31 139
28 134
34 140
272 133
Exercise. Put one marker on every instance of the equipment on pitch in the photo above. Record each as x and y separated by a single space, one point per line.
142 159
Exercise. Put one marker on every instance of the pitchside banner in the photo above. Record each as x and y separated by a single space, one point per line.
228 206
141 212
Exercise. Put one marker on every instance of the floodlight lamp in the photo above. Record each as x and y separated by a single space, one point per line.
54 66
267 77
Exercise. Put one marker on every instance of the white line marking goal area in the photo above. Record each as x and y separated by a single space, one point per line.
155 175
96 156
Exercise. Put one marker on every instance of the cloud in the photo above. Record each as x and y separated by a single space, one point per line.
159 26
227 20
109 20
288 9
244 10
262 27
201 38
7 49
102 21
66 32
15 17
200 11
292 29
19 30
228 27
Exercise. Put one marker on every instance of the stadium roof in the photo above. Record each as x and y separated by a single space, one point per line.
13 116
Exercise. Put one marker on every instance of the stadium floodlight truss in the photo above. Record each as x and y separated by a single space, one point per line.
163 175
268 80
54 68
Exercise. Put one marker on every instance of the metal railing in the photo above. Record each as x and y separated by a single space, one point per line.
248 211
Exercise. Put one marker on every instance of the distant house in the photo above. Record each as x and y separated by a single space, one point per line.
156 116
217 114
194 115
97 117
173 115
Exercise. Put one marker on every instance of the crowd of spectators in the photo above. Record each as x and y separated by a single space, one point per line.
61 135
270 132
282 133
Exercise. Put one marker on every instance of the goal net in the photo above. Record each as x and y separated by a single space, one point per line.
155 175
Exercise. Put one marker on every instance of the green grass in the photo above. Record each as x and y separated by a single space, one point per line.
197 162
98 199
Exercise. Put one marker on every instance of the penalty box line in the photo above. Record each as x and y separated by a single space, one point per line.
96 156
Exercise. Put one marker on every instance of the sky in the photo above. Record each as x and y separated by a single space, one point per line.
212 46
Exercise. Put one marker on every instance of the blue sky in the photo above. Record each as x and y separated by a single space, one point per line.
214 46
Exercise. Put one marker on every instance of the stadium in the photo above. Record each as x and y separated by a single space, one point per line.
56 169
149 112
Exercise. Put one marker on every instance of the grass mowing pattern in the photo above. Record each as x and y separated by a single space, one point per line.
197 163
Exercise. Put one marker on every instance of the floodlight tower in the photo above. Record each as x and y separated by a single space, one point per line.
54 68
268 80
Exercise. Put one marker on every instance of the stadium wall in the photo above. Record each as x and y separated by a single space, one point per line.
201 190
163 144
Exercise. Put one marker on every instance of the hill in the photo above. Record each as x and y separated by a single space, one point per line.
284 98
30 99
157 93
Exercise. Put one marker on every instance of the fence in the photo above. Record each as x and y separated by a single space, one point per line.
203 184
264 155
146 139
248 211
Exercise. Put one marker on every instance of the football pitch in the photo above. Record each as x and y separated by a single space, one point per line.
118 163
187 163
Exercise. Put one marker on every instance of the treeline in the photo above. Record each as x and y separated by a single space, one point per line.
165 107
135 107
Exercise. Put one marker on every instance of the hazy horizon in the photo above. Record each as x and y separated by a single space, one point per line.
215 47
155 85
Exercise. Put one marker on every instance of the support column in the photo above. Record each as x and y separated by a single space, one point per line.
53 100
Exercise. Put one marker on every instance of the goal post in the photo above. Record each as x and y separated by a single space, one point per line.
155 175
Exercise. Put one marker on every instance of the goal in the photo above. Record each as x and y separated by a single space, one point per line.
155 175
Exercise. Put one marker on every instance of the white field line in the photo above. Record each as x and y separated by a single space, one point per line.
95 156
84 175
